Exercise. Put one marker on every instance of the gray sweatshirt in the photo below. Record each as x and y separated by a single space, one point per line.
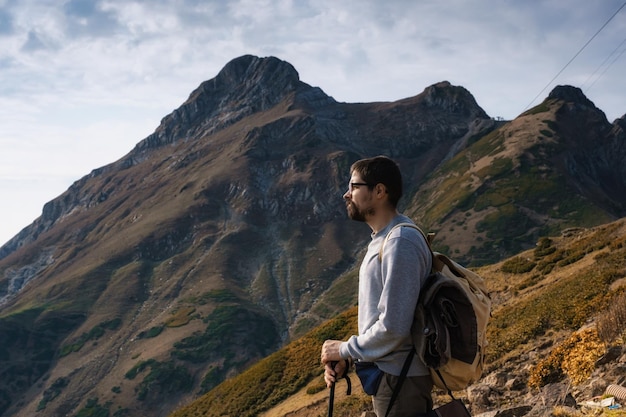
388 294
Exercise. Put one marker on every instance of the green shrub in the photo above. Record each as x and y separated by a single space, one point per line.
164 378
52 392
95 333
151 332
518 265
93 409
274 378
138 368
544 247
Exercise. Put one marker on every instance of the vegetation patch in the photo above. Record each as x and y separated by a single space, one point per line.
575 358
180 317
228 326
94 409
151 332
274 378
529 282
52 392
497 168
230 329
163 378
611 323
544 247
540 108
567 303
94 334
518 265
138 368
506 222
30 336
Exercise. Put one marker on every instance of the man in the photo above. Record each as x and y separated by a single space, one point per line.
388 293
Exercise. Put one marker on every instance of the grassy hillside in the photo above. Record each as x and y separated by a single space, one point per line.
547 292
507 189
276 377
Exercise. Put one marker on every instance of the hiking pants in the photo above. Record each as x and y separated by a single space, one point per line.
414 397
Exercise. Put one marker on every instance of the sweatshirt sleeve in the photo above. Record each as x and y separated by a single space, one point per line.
405 265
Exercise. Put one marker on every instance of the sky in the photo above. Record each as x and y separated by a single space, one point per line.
83 81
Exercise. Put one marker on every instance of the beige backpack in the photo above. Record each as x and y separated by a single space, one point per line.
450 324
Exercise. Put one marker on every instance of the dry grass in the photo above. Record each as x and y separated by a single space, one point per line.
574 358
612 322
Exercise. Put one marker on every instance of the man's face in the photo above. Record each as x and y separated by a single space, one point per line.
358 199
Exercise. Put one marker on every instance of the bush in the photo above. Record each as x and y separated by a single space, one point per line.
544 247
52 392
518 265
611 323
180 317
93 409
164 378
135 370
575 357
94 334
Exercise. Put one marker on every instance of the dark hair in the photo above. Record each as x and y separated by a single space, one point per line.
381 170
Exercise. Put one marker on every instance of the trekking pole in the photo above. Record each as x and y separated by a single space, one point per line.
331 400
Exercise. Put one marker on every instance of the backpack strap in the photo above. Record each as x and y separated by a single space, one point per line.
428 237
396 389
402 377
444 384
437 265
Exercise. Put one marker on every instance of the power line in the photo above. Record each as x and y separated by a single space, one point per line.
602 64
574 57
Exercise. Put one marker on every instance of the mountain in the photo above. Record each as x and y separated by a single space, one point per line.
556 166
222 236
556 338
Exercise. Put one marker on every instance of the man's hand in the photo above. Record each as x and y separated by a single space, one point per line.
330 351
333 364
332 370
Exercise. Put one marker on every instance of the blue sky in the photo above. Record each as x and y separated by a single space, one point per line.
82 81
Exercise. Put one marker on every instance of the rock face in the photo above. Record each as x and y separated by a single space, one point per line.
206 247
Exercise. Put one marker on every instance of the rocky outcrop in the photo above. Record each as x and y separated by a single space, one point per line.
594 149
506 394
246 85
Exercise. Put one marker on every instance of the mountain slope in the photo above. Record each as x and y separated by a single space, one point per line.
222 236
556 166
584 268
227 219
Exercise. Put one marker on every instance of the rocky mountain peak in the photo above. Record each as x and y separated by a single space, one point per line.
576 102
569 93
453 99
256 74
246 85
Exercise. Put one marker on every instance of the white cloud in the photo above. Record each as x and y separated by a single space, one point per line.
85 80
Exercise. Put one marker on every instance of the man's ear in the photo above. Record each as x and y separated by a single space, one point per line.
380 190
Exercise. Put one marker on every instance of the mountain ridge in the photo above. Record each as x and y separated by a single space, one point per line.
229 220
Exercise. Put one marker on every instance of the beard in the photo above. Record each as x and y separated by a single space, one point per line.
357 214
